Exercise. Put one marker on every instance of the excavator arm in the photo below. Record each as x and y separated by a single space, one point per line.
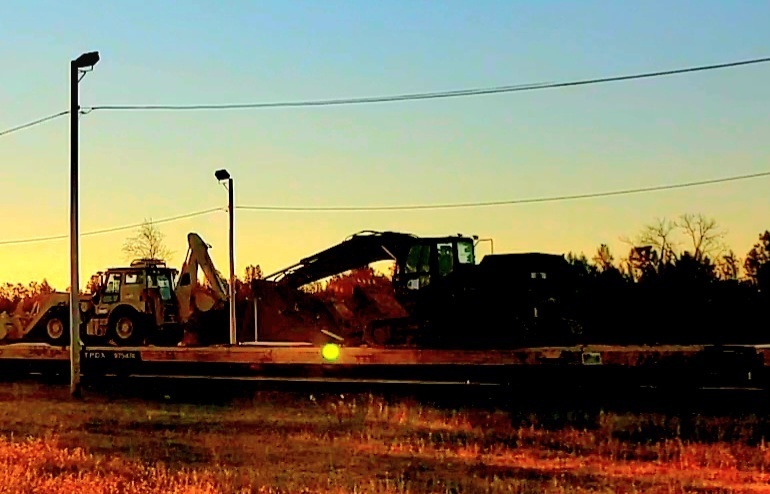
358 250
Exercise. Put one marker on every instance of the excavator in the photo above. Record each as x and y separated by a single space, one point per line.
447 298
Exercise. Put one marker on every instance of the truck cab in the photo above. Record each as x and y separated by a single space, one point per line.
129 302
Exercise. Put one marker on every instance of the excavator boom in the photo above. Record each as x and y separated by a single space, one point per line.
356 251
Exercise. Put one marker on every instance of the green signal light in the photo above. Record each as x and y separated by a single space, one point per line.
330 351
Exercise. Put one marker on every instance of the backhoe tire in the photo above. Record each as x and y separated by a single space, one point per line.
56 328
126 328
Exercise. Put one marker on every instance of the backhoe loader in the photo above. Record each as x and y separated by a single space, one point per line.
146 302
150 302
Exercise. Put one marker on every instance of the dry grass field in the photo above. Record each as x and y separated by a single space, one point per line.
298 443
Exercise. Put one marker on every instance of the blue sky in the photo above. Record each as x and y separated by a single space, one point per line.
551 142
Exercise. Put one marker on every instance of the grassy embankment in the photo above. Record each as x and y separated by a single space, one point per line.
49 443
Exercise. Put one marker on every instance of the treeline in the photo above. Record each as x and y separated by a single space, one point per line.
11 295
679 283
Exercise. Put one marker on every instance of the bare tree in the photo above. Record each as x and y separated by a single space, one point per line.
706 238
702 233
660 236
729 266
657 244
640 261
147 244
603 258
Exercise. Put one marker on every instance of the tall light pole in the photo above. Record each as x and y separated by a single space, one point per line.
223 175
82 64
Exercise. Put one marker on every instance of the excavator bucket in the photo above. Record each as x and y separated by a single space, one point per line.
284 314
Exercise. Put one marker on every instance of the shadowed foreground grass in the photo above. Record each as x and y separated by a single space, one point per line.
49 443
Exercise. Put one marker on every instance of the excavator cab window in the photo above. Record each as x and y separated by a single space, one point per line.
418 259
465 254
446 258
417 268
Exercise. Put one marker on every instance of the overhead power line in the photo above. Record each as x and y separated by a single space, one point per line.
431 95
404 208
33 123
393 98
109 230
506 202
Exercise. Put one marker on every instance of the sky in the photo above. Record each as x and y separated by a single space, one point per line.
155 165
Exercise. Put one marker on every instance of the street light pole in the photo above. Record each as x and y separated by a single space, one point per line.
74 246
85 60
223 175
231 210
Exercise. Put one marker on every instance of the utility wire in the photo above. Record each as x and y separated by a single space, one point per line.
33 123
404 97
403 208
109 230
509 202
432 95
401 97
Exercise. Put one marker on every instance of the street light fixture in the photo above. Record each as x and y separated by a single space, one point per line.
82 64
87 59
222 176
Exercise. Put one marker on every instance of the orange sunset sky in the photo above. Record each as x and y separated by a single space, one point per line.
137 165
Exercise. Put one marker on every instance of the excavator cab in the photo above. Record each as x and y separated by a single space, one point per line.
432 266
434 258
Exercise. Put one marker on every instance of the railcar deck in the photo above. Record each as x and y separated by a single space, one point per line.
670 365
